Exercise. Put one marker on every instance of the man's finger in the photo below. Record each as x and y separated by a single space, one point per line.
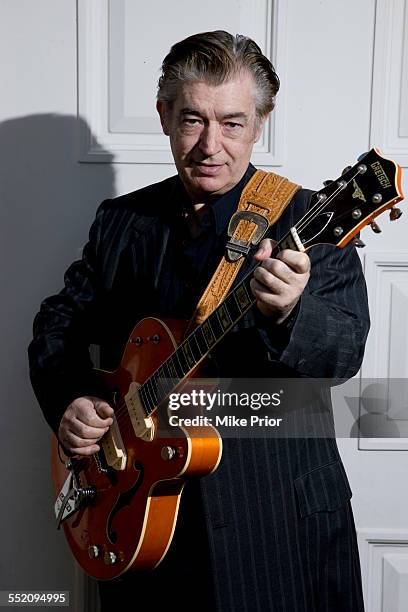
271 282
103 409
277 268
265 249
90 414
86 432
299 262
85 451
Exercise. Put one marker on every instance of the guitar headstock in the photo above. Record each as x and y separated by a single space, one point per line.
344 206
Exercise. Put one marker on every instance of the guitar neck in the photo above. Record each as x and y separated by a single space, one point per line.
200 342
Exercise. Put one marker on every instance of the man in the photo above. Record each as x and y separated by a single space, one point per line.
272 528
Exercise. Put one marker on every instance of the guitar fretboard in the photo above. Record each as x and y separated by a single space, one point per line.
201 341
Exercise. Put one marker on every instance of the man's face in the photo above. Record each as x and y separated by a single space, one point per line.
212 132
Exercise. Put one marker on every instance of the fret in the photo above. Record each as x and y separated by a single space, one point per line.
242 297
154 384
200 340
165 370
150 383
177 366
234 311
145 402
147 394
247 283
216 325
187 352
208 333
181 358
223 316
171 367
164 383
194 348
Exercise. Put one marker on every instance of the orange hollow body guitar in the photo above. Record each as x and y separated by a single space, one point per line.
119 507
118 531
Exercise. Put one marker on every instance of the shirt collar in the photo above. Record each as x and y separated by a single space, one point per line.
221 209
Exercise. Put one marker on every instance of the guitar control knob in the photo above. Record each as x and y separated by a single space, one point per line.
93 551
155 339
167 453
376 228
109 558
395 213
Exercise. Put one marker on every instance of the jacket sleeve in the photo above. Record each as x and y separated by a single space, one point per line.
60 365
327 336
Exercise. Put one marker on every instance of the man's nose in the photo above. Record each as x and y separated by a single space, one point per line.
210 139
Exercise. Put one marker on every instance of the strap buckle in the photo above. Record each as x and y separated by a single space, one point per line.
236 248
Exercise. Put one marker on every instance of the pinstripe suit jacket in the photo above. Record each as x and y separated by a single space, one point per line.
279 527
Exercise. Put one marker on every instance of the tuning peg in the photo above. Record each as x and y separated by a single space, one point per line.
346 169
395 213
362 156
358 243
376 228
327 183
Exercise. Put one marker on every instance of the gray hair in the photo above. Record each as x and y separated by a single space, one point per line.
216 57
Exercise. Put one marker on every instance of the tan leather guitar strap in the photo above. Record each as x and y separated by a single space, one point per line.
262 202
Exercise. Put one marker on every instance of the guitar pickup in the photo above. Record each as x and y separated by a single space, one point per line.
142 424
113 448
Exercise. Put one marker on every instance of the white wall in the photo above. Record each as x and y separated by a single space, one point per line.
329 111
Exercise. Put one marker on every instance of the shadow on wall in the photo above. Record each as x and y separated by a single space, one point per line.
48 198
47 202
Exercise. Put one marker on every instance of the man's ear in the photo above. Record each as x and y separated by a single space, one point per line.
163 113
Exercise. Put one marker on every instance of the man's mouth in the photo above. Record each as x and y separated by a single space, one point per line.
208 169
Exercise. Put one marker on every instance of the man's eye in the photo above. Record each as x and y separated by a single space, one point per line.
233 125
191 121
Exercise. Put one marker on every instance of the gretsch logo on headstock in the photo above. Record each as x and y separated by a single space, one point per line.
357 193
380 174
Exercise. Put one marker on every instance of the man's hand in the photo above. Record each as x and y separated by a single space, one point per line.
278 283
84 422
